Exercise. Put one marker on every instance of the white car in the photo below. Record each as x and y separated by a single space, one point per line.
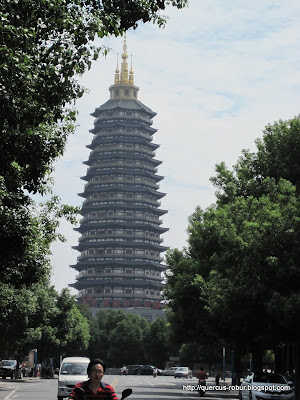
183 372
169 371
72 371
266 386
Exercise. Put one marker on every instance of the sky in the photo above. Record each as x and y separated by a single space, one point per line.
216 75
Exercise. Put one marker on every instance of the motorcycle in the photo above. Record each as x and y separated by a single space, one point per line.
81 395
202 386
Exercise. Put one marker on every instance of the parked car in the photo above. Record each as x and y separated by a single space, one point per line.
183 372
169 371
148 370
8 368
72 371
134 369
266 386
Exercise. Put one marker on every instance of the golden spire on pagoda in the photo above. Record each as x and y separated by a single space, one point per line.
131 77
117 74
124 79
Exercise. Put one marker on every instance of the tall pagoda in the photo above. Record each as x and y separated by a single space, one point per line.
120 264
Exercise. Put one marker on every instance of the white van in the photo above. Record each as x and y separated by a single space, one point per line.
72 371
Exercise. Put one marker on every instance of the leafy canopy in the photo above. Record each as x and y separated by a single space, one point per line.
241 267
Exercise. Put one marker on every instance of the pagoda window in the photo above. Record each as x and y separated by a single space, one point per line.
118 251
128 271
99 291
108 270
107 291
118 271
139 272
128 291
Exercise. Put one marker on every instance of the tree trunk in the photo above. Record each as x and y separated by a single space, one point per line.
257 361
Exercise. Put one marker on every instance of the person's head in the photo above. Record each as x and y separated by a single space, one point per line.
201 368
96 369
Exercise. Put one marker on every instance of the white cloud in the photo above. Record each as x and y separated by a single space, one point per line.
216 75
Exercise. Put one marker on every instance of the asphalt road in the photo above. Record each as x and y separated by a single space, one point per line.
144 387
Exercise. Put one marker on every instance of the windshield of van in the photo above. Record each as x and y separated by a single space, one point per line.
8 363
74 369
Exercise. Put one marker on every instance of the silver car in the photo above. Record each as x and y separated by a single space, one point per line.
169 371
183 372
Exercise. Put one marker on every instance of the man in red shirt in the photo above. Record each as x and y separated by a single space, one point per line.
202 376
94 388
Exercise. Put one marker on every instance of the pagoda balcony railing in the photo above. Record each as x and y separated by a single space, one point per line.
107 165
119 218
119 257
129 238
123 182
111 275
117 118
139 149
118 132
127 296
122 151
117 202
146 202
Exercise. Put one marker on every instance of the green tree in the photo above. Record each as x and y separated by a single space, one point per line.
157 343
73 328
45 46
242 262
126 341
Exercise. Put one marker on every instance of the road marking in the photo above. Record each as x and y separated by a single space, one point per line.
10 395
152 384
115 382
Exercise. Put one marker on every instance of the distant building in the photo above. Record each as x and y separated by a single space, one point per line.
120 264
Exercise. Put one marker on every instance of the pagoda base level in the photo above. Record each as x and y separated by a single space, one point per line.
148 313
120 304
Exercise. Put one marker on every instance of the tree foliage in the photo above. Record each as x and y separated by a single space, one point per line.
45 46
123 338
41 318
241 268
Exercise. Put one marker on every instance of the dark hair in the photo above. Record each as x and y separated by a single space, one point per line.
94 362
